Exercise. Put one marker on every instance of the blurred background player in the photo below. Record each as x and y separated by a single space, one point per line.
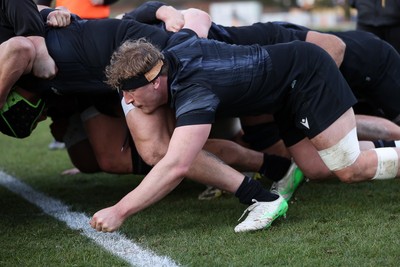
380 17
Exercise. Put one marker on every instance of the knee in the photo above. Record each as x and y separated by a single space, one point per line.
316 173
152 157
115 164
347 176
22 47
106 165
87 167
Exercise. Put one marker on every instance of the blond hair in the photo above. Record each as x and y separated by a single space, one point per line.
131 59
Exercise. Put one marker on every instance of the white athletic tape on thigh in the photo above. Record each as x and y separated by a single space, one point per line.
342 154
75 131
387 163
89 113
126 107
397 143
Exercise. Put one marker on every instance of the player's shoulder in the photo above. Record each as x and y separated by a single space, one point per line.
181 39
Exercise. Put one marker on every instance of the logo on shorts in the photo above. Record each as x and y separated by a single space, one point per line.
55 90
304 122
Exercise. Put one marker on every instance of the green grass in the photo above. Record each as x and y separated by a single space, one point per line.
328 224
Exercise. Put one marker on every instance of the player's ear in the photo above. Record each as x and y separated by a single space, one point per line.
156 83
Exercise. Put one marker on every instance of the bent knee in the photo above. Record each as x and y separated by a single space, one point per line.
347 177
151 157
21 46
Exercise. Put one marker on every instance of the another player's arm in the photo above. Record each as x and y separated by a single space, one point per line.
330 43
198 21
60 17
173 18
153 12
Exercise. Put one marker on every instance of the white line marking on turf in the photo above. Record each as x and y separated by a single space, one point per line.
115 243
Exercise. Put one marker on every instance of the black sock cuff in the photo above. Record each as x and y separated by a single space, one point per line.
384 143
274 167
251 189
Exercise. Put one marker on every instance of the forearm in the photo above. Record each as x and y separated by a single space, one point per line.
158 183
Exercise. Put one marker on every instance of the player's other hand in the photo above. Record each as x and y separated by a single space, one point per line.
59 18
172 18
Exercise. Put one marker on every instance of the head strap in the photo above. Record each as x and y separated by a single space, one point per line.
142 79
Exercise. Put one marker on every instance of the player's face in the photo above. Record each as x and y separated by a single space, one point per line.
145 98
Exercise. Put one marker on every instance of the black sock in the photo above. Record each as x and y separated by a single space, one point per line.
274 167
251 189
383 143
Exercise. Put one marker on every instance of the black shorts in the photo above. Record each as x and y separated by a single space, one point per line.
317 94
372 69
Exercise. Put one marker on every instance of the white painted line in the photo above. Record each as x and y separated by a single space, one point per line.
115 242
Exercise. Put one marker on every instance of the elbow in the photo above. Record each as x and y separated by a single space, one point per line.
181 170
200 19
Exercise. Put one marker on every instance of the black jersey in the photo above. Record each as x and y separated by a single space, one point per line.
370 65
83 50
296 79
19 18
210 76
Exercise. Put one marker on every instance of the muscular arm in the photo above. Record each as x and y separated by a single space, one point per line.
184 147
154 13
206 168
330 43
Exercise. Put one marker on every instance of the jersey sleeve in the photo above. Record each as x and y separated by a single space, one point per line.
268 33
136 30
145 13
194 104
44 2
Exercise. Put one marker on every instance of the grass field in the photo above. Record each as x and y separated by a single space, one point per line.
328 224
